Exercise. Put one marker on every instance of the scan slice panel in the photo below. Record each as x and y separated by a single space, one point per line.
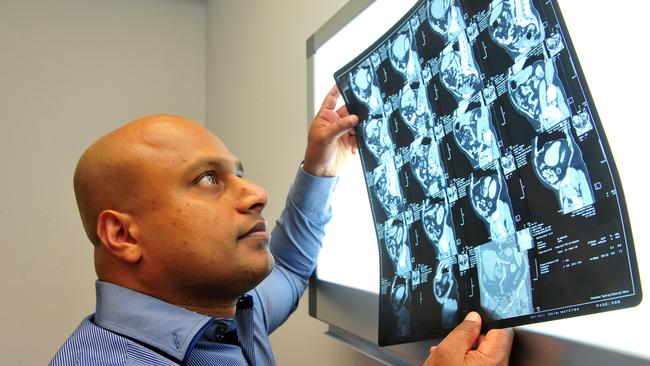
490 179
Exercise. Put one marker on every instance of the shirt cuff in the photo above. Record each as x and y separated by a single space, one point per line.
312 193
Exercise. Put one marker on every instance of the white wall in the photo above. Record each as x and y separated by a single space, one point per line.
70 71
256 102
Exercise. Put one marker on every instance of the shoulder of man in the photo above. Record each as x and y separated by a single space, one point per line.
93 345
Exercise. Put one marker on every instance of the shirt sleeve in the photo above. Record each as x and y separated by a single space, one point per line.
295 244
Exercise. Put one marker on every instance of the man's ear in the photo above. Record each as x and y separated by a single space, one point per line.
116 231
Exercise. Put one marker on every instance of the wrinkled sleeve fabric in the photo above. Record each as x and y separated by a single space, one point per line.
295 244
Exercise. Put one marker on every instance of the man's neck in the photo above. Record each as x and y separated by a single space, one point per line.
225 310
218 308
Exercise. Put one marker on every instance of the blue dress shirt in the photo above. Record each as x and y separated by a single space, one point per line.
131 328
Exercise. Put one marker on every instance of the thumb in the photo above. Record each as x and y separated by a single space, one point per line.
342 126
463 337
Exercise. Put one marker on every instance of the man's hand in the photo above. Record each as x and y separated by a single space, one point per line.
458 347
331 138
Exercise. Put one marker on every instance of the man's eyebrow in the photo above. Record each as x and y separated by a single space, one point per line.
217 164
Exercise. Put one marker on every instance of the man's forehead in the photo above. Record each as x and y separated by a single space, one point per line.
178 137
172 133
172 139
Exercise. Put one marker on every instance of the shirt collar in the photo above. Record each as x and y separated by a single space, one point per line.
164 326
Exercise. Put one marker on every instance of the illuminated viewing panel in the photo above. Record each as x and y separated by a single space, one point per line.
491 185
349 255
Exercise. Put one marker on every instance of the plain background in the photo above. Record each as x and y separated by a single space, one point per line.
72 70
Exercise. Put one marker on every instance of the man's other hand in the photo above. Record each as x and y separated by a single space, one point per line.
458 348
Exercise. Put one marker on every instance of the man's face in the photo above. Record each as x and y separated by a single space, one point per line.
200 222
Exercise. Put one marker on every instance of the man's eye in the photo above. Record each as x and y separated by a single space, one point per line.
209 178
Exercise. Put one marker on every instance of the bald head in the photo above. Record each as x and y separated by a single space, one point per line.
109 173
170 214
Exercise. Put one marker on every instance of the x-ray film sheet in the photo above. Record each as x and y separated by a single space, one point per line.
490 179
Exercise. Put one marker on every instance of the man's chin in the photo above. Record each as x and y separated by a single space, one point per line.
271 264
267 267
260 273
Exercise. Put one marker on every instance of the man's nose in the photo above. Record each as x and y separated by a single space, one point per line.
252 198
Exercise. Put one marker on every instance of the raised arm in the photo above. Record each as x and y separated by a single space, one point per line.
296 239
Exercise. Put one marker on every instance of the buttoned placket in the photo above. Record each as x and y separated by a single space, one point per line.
244 322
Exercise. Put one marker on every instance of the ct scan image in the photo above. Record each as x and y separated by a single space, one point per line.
537 93
476 137
459 71
516 26
504 278
491 203
446 18
387 188
559 166
489 175
427 165
439 228
415 110
378 139
403 55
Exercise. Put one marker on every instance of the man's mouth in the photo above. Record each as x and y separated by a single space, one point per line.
259 231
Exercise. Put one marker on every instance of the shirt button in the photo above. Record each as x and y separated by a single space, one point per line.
245 301
221 328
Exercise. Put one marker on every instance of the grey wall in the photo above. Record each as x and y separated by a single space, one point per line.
256 102
70 71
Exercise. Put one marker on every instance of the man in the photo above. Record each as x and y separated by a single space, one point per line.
187 271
